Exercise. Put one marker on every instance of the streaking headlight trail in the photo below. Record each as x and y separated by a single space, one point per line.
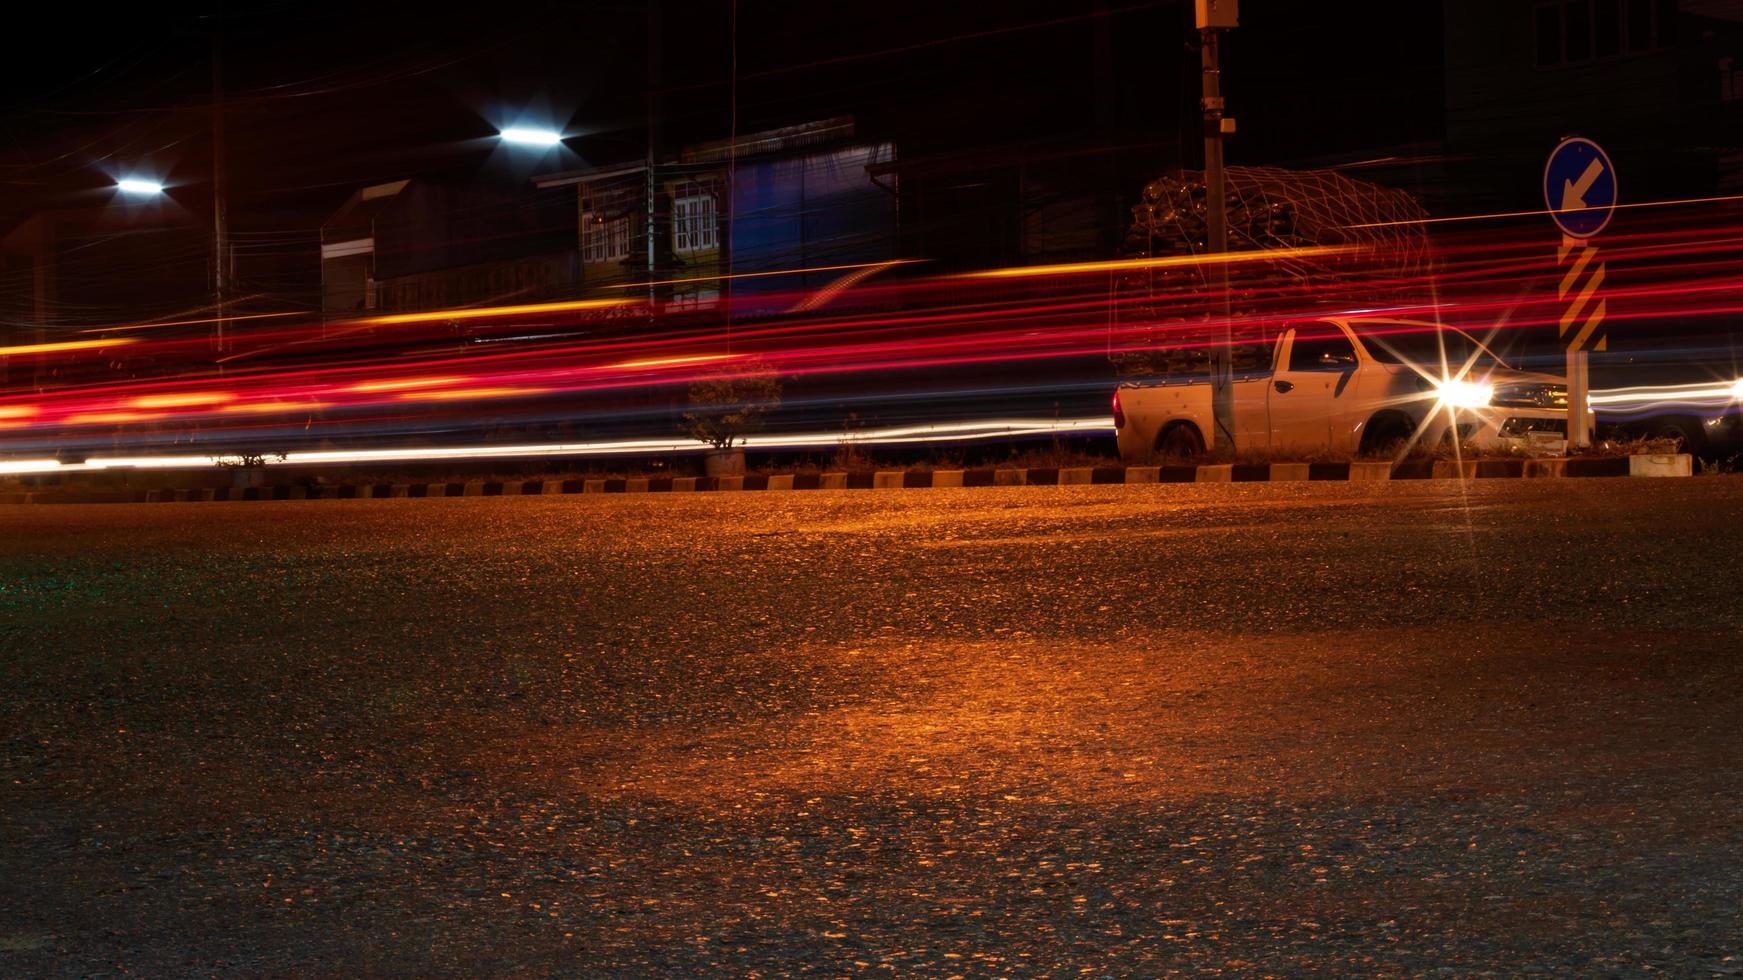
895 435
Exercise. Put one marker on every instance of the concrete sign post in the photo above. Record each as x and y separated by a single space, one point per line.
1579 189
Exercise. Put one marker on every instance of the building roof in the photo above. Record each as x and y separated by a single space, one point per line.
362 207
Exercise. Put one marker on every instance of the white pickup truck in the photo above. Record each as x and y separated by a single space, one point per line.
1345 385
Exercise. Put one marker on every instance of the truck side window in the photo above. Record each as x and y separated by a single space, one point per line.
1316 351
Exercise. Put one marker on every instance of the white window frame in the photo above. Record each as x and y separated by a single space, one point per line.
694 299
695 224
604 239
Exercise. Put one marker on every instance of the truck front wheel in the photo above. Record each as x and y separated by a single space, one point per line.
1384 433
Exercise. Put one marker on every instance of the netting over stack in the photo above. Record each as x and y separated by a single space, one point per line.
1269 209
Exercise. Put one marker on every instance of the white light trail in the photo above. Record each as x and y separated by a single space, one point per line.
1715 394
895 435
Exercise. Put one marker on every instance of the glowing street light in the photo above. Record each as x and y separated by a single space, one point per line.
134 185
524 136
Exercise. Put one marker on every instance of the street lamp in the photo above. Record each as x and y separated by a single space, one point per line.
526 136
139 187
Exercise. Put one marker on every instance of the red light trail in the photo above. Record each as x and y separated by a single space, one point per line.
417 368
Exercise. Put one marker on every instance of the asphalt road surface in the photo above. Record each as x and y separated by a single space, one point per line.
1272 728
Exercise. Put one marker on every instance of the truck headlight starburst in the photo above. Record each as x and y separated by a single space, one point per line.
1464 394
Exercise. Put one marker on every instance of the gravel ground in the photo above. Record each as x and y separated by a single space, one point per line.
1287 729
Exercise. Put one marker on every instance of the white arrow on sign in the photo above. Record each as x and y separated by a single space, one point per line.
1573 192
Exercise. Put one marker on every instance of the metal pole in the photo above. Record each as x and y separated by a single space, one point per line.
1579 414
655 74
220 230
1222 375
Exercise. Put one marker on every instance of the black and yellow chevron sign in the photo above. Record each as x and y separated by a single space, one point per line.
1582 322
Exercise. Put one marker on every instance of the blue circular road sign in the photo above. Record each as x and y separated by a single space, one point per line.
1579 187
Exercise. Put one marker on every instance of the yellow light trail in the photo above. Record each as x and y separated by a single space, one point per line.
1165 262
85 418
760 275
458 394
675 361
66 345
1528 214
189 323
17 411
402 385
264 408
190 400
480 312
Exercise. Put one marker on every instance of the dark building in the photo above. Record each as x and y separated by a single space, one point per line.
67 274
1655 82
801 197
413 245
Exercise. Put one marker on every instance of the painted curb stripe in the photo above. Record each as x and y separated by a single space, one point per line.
1613 466
1646 465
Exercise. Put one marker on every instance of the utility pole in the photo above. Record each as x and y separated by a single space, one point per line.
220 225
1213 17
651 218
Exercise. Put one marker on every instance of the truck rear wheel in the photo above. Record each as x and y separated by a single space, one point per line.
1685 430
1179 440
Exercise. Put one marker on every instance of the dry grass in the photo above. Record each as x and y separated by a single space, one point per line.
1634 447
1055 457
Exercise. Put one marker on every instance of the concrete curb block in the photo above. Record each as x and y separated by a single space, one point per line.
1661 464
1644 465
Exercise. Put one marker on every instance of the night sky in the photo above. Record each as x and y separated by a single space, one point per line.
323 97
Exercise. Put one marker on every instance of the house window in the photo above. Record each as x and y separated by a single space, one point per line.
1571 32
604 239
693 224
694 299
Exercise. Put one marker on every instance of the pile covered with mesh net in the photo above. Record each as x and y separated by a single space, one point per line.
1327 238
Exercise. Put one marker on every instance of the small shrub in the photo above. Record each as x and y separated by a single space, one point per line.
725 407
246 460
851 459
1715 467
